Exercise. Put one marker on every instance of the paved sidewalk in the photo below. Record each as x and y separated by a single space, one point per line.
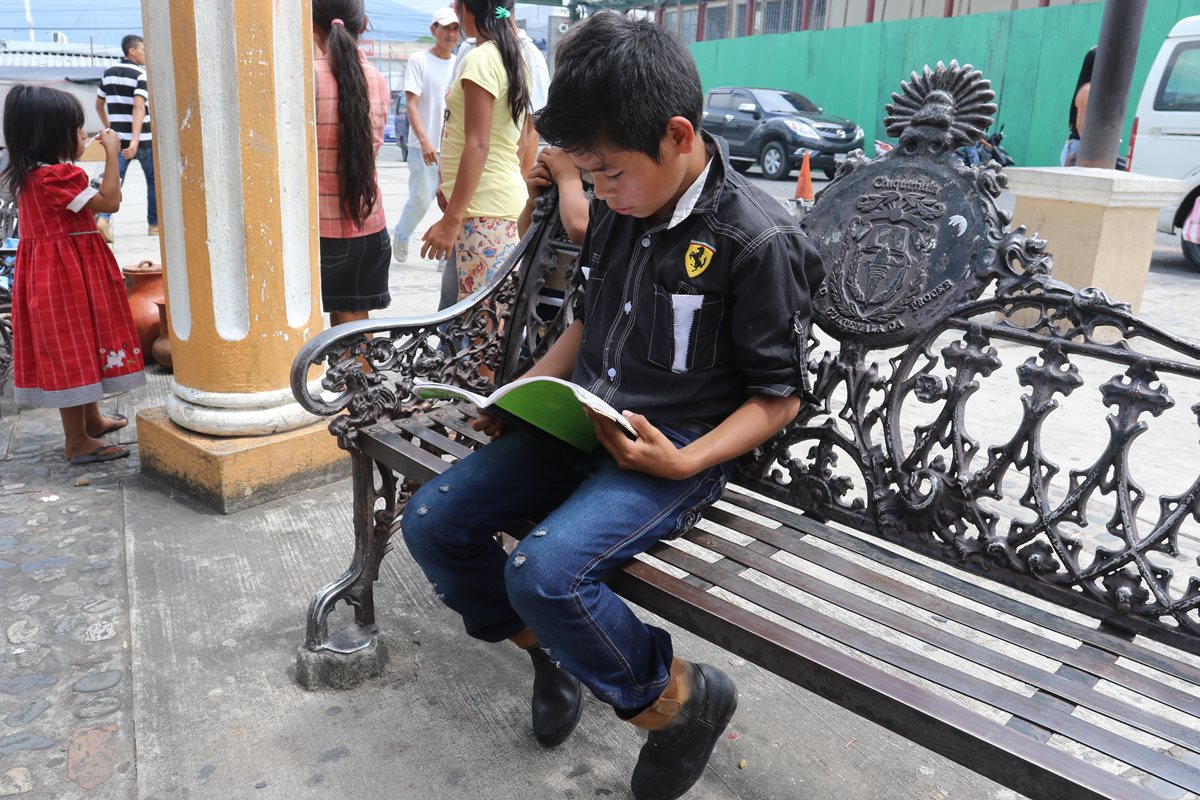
147 644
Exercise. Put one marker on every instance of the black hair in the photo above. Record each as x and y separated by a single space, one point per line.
617 82
1085 77
129 42
503 32
41 126
357 191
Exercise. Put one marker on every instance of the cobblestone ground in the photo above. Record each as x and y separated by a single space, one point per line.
65 683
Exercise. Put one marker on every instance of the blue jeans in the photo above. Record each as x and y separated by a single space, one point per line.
594 516
145 157
422 186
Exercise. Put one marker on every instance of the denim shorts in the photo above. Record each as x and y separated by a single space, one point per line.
354 272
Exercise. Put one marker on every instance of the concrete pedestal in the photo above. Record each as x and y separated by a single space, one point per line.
230 474
1099 223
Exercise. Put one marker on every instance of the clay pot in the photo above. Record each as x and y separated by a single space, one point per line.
144 285
160 351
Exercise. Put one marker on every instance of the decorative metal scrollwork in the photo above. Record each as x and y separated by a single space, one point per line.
938 315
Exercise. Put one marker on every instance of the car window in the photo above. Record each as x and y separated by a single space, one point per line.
1180 86
719 101
784 102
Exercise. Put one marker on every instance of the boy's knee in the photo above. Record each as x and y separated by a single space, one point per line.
421 518
534 576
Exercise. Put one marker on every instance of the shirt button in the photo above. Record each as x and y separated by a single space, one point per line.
646 242
628 307
612 372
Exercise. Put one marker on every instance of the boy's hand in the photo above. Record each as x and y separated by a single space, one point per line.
538 179
652 452
557 162
487 424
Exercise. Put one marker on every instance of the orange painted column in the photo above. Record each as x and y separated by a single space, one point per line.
233 109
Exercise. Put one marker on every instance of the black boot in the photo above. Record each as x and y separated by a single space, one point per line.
684 723
557 700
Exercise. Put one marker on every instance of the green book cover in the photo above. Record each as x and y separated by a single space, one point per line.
550 404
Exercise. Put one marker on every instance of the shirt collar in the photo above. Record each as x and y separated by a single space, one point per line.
687 202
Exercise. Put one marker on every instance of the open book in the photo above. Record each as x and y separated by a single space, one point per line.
553 405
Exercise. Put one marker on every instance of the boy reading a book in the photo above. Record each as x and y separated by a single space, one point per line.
692 322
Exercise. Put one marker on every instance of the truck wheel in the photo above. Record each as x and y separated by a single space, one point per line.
1191 253
774 162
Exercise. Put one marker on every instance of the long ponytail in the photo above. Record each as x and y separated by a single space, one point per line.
501 31
343 21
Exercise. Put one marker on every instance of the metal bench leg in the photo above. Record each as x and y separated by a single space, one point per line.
355 653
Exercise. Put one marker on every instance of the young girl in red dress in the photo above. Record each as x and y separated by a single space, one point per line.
73 335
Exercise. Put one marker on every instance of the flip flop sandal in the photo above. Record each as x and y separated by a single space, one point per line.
108 452
120 422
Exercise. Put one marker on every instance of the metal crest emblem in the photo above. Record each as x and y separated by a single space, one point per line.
895 258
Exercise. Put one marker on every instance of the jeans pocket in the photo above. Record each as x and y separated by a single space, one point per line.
685 330
335 252
707 493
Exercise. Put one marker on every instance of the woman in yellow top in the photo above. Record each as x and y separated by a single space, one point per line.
486 113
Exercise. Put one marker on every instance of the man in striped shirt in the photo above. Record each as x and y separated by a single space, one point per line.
123 104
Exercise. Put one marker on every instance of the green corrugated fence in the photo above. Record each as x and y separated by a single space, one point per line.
1032 58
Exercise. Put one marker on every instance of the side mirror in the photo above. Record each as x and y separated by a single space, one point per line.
748 108
820 110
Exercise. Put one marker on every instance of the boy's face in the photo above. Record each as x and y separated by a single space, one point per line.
633 183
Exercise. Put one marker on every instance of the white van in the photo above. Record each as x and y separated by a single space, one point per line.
1166 131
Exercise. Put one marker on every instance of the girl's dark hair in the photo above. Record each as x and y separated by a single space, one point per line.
617 83
504 34
41 126
357 190
1085 77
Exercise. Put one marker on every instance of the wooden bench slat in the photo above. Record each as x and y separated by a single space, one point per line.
1000 754
1097 638
1107 742
386 445
438 440
1091 660
995 661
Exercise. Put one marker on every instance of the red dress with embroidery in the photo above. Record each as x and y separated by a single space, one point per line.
73 335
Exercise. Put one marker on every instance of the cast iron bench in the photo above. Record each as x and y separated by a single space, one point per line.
946 581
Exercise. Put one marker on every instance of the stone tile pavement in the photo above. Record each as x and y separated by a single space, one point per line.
146 645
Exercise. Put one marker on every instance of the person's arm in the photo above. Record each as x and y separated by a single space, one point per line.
477 122
139 117
107 200
751 424
102 111
527 147
554 166
412 104
1081 102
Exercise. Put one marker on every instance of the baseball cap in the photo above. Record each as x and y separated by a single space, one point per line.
444 16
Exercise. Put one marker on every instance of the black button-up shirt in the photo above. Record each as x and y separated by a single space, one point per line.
686 321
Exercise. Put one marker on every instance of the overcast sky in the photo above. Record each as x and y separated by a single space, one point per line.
106 21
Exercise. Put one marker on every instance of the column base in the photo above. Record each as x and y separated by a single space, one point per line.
230 474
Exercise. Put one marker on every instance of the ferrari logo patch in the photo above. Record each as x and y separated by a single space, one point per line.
699 256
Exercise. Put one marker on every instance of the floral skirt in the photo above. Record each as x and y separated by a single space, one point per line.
483 246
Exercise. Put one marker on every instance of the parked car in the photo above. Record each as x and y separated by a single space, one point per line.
1166 130
396 127
775 127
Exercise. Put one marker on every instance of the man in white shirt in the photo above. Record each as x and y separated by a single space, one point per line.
425 83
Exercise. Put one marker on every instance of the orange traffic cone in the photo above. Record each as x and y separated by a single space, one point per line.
804 187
